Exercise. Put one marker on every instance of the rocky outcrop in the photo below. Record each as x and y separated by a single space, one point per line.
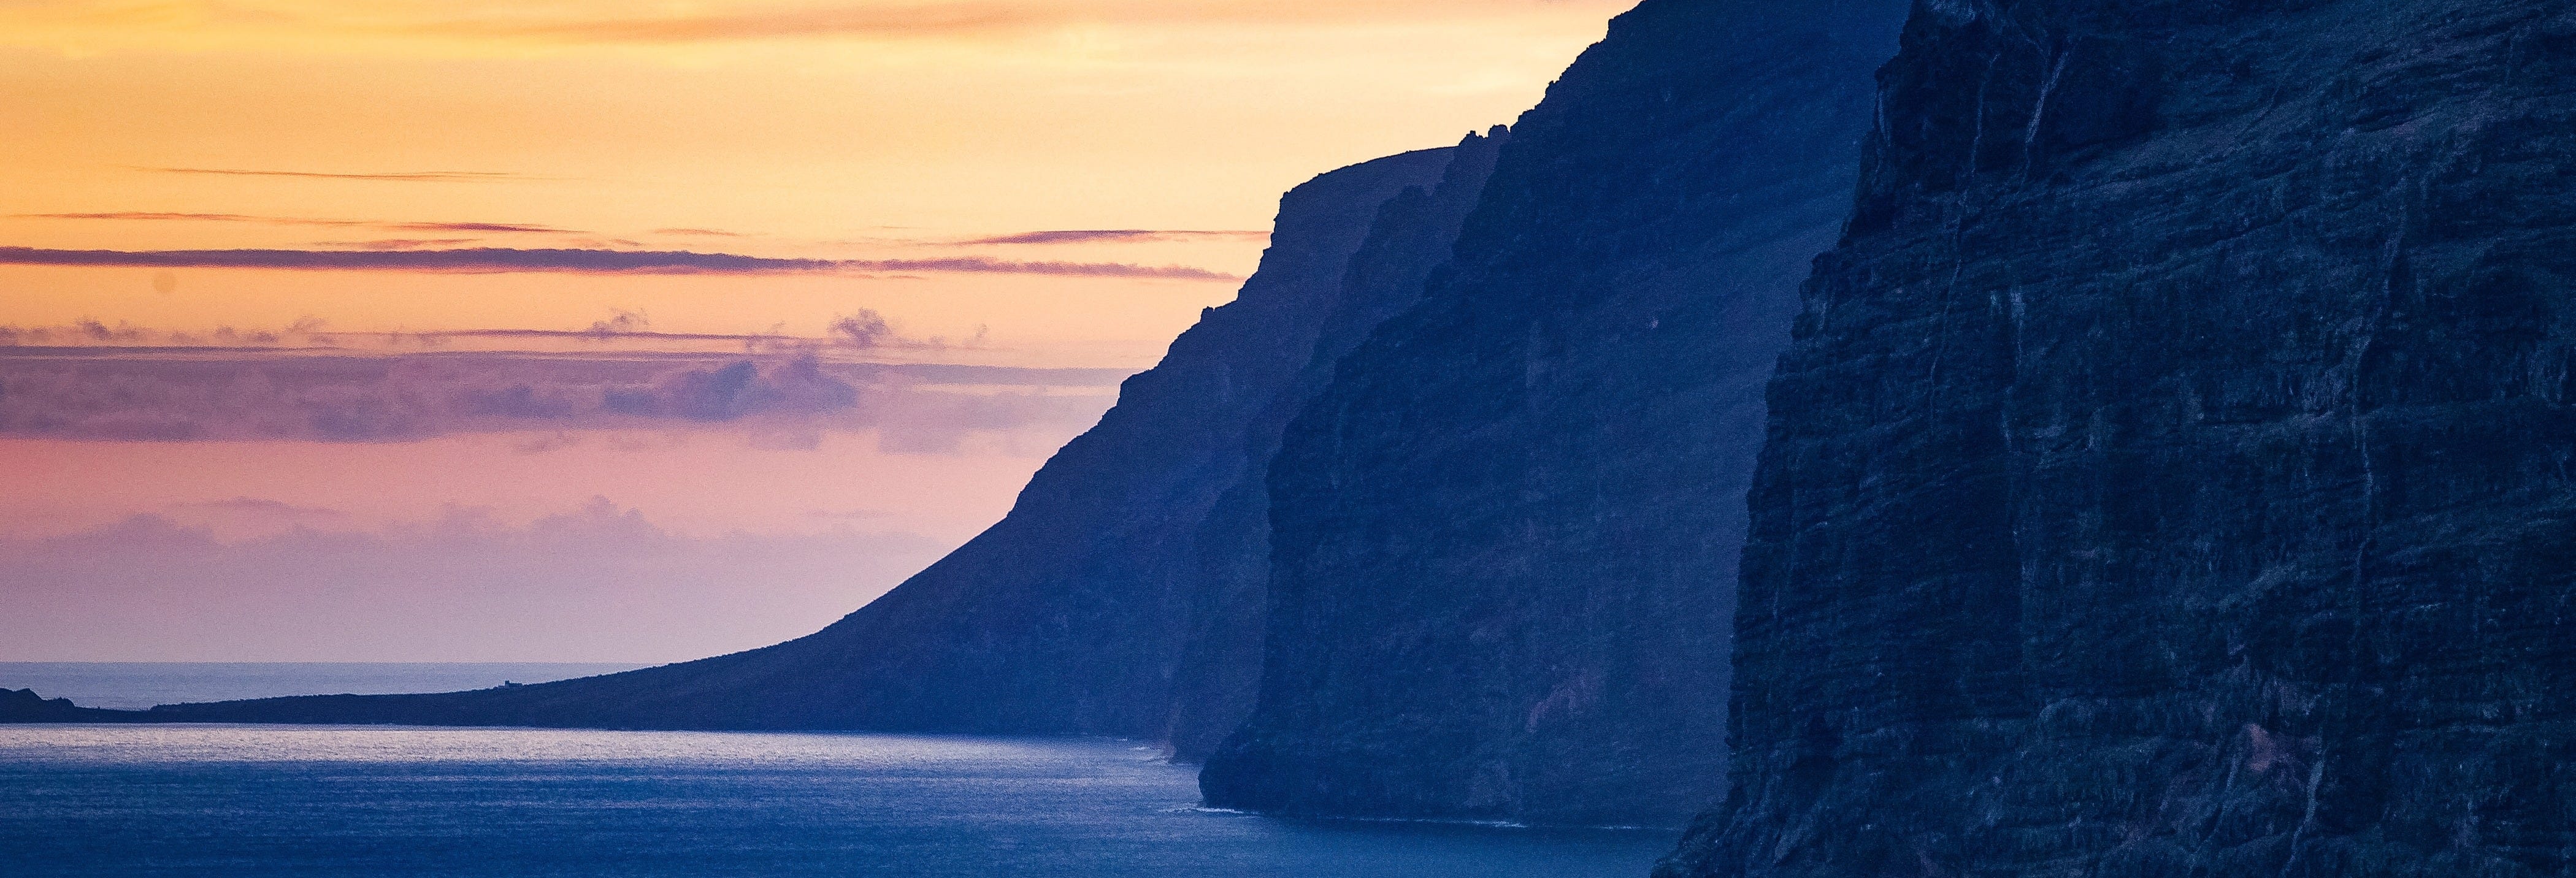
1122 559
1504 538
25 706
2170 475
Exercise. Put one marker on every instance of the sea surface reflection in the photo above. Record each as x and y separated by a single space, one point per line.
280 800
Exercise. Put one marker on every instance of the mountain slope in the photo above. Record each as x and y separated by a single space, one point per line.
2170 475
1074 614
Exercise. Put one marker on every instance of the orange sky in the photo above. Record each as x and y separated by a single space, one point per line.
909 130
840 129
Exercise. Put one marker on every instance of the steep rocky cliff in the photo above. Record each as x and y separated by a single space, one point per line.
1220 675
1504 538
1075 613
2170 475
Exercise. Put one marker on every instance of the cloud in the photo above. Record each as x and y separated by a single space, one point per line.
253 515
493 228
147 215
596 582
259 506
1038 238
391 225
866 329
397 243
394 177
479 26
727 393
979 264
620 322
1096 236
507 260
89 337
211 395
92 337
934 19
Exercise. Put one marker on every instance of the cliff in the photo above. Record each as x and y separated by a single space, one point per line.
1504 537
1074 614
1219 676
2170 472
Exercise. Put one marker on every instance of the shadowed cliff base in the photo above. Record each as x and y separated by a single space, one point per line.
1505 537
2170 475
1075 613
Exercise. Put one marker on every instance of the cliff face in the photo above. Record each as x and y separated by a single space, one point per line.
1220 675
2170 474
1504 538
1075 613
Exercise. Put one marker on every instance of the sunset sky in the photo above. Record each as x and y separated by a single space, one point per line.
559 330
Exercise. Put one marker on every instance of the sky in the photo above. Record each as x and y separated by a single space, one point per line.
577 330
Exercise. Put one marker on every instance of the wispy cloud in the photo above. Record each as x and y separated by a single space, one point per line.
505 260
1038 238
156 216
233 395
255 514
261 506
1115 236
318 24
492 228
983 265
627 23
385 177
390 225
864 330
397 243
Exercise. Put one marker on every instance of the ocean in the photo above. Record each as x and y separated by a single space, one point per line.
138 685
311 801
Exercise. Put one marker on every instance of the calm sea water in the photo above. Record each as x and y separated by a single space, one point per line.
274 800
137 685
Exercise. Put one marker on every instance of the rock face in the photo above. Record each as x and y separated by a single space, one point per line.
1125 556
1220 675
2171 472
1504 538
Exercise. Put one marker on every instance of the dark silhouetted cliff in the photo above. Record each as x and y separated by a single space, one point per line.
1121 559
2171 472
1220 675
1505 537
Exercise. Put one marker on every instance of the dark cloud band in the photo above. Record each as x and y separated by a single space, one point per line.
503 260
1113 236
160 216
234 395
395 177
